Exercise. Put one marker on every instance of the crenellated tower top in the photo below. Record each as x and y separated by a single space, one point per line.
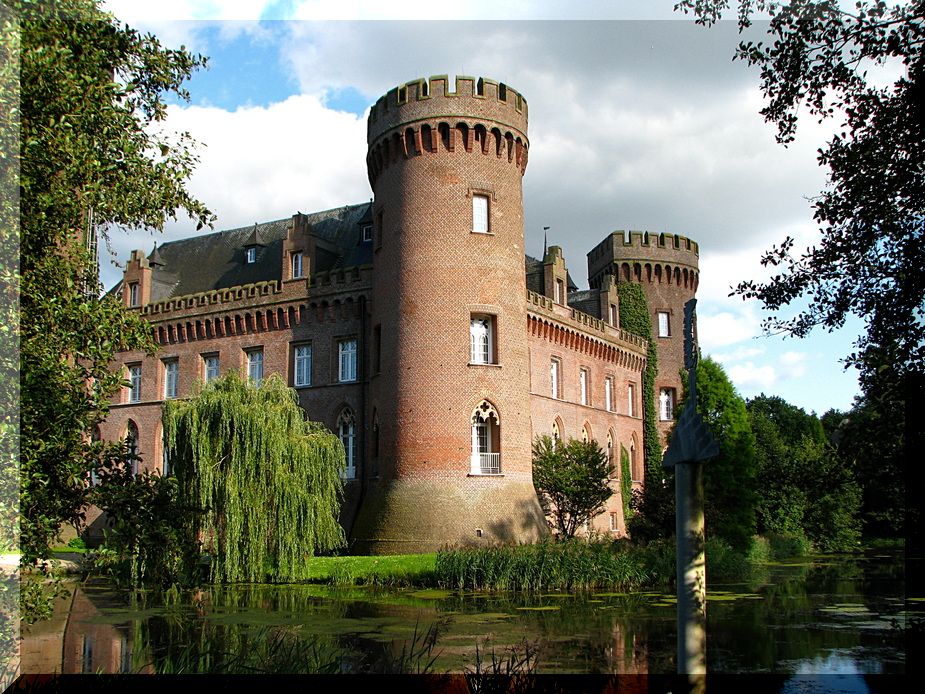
645 255
425 117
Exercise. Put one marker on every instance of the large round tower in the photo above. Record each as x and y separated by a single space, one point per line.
666 266
450 448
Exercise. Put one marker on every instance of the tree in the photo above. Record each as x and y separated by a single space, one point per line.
869 260
572 481
266 481
806 488
729 478
90 92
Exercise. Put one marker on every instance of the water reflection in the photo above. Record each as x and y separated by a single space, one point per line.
830 615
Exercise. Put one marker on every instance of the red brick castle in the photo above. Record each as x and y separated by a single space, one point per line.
417 329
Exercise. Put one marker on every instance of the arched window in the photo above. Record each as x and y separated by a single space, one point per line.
131 445
556 432
486 440
346 430
610 447
586 433
634 462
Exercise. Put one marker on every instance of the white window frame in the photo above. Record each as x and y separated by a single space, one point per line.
133 294
255 366
614 526
346 431
250 255
613 316
208 373
666 404
302 365
583 385
296 265
484 461
555 376
134 376
347 360
480 214
367 233
171 378
631 399
608 394
481 339
664 324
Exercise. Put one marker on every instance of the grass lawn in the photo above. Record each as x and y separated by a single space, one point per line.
398 569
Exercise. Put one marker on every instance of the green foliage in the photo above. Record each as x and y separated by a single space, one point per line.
636 318
729 478
806 487
626 484
89 158
869 259
149 540
572 481
268 482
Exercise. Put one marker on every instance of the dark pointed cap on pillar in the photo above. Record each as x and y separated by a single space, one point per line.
155 257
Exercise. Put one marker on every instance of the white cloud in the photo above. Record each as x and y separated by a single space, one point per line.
751 378
738 354
727 327
793 365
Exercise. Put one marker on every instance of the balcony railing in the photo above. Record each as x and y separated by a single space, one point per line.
486 463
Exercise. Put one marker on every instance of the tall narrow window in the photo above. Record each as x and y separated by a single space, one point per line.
131 445
346 430
133 294
367 233
608 394
666 404
481 339
302 365
664 324
560 292
614 318
347 354
296 264
255 366
486 439
554 378
171 376
613 523
480 214
556 432
210 367
134 377
250 255
631 400
583 385
377 348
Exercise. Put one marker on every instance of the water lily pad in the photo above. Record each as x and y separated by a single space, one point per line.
432 594
542 608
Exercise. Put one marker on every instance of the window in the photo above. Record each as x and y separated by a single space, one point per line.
631 400
131 445
666 404
346 430
171 376
664 324
347 353
302 365
134 377
367 233
210 367
560 292
380 230
250 255
586 433
554 374
480 214
614 318
583 385
486 451
255 366
556 432
377 348
608 394
133 294
296 264
613 522
481 339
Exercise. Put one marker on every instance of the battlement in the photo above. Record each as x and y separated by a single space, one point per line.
647 240
644 255
474 101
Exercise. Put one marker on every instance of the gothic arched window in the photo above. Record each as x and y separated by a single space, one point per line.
486 440
346 431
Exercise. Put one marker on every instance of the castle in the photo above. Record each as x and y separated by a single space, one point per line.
415 327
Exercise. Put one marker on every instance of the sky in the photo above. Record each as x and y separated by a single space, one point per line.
639 120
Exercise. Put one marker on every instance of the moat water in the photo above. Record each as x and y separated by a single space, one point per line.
819 615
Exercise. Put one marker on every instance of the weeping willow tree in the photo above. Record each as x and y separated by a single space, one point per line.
268 481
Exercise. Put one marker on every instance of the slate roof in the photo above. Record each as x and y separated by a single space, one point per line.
585 301
216 261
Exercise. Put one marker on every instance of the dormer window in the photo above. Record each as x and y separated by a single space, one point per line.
296 264
367 233
250 255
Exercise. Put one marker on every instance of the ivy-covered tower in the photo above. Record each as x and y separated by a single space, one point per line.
449 395
666 267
